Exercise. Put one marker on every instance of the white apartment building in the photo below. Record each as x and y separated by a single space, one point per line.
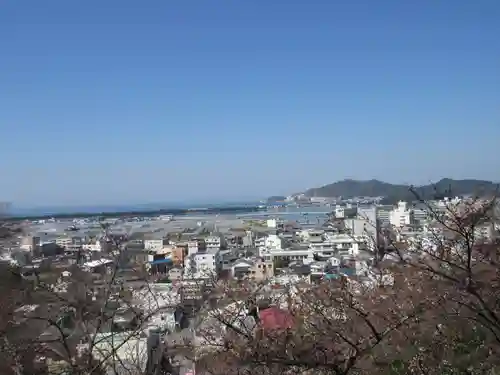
349 244
192 247
92 246
401 215
342 212
270 242
485 232
420 215
271 255
313 235
384 214
153 244
204 264
272 223
64 241
214 242
333 245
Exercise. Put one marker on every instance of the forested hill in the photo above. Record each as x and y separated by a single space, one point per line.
394 192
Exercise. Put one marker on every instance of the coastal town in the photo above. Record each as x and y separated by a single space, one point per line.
167 265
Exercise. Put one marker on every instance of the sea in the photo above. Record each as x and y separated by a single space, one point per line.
61 210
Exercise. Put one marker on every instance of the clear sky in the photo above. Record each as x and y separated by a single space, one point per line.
128 101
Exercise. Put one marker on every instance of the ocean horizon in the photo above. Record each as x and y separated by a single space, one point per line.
62 210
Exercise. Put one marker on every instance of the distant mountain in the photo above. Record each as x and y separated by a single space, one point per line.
395 192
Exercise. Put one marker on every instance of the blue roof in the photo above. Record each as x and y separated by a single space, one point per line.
331 276
347 271
161 261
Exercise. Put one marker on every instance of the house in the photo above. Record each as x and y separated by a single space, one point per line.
254 269
153 244
203 264
241 268
215 242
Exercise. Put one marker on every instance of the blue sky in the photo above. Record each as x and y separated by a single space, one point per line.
111 102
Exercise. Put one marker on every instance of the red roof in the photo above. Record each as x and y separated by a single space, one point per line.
275 318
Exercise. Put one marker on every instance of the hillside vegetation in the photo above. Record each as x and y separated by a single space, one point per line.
393 192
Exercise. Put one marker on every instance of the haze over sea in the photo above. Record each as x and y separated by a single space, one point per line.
58 210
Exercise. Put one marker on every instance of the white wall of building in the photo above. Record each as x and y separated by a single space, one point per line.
273 242
345 211
271 223
269 243
401 215
213 242
155 244
92 246
202 265
192 247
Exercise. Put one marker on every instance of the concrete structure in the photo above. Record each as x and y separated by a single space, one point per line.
64 241
248 239
203 264
92 246
311 235
153 244
384 214
30 243
254 269
216 242
272 223
269 242
193 247
342 212
401 215
274 255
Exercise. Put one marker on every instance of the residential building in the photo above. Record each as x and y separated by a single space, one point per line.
173 253
241 268
248 239
153 244
203 264
311 235
269 242
485 232
64 241
272 223
288 255
384 214
347 211
177 255
95 246
30 243
256 269
214 242
192 247
420 214
401 215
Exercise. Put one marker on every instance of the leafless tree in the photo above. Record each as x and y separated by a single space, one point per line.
69 320
440 313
